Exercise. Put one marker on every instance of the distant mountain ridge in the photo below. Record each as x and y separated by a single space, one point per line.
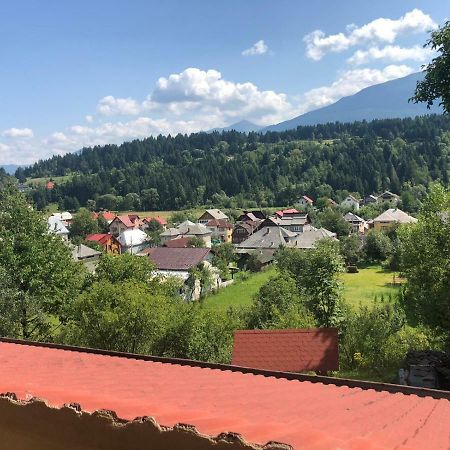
243 126
10 168
381 101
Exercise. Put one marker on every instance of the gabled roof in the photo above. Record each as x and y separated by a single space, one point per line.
219 223
304 411
192 229
309 200
81 251
166 258
388 194
395 215
107 215
126 220
55 225
295 350
132 237
292 219
353 218
101 238
268 237
352 198
215 214
158 219
308 239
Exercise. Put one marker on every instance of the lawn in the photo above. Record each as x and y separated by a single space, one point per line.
371 281
240 293
359 288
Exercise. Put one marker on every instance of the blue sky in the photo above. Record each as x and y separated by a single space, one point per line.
92 72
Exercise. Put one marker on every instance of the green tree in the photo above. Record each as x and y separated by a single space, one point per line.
377 246
351 249
426 262
123 316
39 273
316 273
332 219
82 225
196 241
278 305
223 256
436 85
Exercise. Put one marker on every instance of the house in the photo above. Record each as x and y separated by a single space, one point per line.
388 196
132 241
390 218
88 256
304 201
188 229
49 185
181 242
221 230
242 230
65 217
160 220
358 224
124 222
286 211
368 199
293 221
107 215
55 225
309 239
251 216
62 397
350 203
211 214
294 350
109 242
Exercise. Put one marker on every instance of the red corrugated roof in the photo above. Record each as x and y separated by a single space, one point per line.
166 258
286 211
297 350
127 221
101 238
303 414
159 219
310 200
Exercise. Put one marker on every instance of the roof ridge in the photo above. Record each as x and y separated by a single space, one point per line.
377 386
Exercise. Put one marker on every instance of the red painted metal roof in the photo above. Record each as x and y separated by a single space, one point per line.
296 350
286 211
303 414
101 238
158 219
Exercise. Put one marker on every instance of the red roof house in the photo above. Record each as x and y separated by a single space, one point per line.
160 220
286 211
107 241
296 350
124 222
182 242
106 400
49 185
107 215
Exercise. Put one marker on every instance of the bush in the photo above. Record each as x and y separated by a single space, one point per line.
352 269
377 246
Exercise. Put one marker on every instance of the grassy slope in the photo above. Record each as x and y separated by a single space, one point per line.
240 293
359 288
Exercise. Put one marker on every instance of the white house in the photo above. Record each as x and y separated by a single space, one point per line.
304 201
350 202
55 225
133 241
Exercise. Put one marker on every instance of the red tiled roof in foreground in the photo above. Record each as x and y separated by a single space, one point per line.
296 350
307 412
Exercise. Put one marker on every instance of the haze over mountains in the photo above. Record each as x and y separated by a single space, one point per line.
381 101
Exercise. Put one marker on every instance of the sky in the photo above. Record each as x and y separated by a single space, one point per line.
84 73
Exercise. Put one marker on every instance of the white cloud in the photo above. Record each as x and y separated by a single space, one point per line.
386 30
18 133
258 48
89 119
111 106
390 53
350 82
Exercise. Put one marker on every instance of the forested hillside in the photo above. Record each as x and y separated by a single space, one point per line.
267 169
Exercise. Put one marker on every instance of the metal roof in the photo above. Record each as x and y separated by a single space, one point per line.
306 412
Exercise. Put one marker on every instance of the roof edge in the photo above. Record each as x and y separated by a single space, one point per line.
377 386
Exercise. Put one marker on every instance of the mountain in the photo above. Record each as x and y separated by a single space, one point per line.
10 168
244 126
381 101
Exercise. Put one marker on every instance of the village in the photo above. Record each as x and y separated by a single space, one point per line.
176 249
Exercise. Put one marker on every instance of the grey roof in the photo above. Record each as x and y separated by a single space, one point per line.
395 215
353 218
269 238
289 220
55 225
309 239
80 252
215 213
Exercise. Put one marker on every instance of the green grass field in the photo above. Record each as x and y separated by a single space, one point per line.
359 288
240 293
42 181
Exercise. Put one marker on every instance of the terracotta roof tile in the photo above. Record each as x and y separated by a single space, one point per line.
274 407
296 350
